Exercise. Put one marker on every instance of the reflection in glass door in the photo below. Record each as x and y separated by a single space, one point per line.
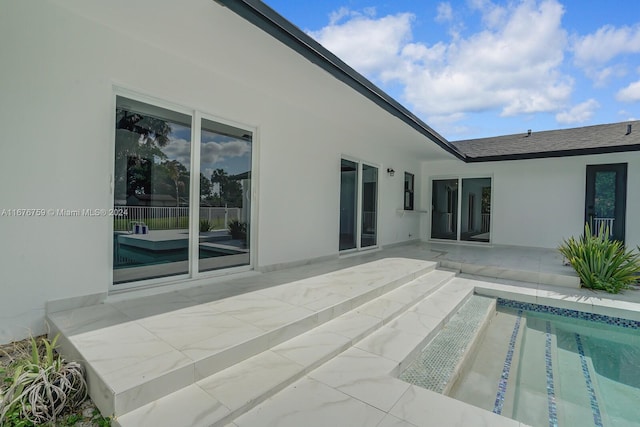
159 231
475 214
358 205
444 209
225 196
151 192
605 199
348 204
369 233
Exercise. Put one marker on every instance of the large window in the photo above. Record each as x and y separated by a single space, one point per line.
155 211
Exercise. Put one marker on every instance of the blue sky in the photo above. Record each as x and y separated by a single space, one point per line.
476 68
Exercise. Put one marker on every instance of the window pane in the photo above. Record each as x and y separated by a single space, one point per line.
476 209
369 206
605 194
408 191
151 189
225 196
348 204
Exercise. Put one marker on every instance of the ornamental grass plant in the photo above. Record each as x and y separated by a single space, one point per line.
600 262
38 386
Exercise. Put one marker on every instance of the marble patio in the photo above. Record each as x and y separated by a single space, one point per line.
319 344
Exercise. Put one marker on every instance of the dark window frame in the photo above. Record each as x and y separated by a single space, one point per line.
409 187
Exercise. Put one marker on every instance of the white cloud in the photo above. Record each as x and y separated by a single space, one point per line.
513 66
605 44
367 44
492 15
579 114
445 12
180 150
212 152
630 93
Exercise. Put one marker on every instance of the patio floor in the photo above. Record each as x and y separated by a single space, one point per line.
238 350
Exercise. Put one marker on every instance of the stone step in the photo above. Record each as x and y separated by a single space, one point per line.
569 279
360 386
440 363
132 361
225 395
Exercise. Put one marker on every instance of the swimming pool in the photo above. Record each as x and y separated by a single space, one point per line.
546 366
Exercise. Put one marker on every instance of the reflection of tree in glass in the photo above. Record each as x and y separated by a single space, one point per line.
486 200
139 140
605 194
175 173
229 189
205 187
141 165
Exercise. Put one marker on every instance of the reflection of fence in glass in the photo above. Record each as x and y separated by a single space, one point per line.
486 222
596 223
171 218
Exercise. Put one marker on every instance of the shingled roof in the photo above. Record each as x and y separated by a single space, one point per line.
598 139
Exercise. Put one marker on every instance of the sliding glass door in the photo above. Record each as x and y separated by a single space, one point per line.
151 192
369 232
444 209
461 215
348 204
475 213
225 196
161 229
358 205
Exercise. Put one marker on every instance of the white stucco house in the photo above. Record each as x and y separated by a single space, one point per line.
165 102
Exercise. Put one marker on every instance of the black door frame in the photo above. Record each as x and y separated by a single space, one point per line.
620 206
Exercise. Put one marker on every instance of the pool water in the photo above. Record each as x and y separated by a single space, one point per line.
566 370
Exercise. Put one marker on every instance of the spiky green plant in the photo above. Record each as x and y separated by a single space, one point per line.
600 262
40 387
205 225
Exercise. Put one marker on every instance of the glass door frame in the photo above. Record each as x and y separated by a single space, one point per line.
460 179
193 275
359 205
620 194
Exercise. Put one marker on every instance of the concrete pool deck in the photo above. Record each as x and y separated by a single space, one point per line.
318 344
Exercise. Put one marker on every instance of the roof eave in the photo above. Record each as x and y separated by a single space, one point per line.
559 153
265 18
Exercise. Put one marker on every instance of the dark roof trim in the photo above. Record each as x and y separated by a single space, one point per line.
559 153
265 18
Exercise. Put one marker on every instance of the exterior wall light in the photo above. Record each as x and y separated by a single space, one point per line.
390 171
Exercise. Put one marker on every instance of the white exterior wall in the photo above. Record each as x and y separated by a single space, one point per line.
538 202
60 62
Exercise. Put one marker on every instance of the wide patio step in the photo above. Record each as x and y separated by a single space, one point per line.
133 360
225 395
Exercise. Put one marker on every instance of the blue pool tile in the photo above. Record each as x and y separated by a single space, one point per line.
504 378
600 318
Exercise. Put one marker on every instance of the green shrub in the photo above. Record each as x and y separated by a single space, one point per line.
39 387
238 229
601 263
205 225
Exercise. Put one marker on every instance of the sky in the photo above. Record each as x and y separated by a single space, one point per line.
480 68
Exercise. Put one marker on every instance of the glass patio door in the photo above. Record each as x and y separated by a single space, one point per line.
461 209
605 198
444 209
358 205
225 196
160 229
151 192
